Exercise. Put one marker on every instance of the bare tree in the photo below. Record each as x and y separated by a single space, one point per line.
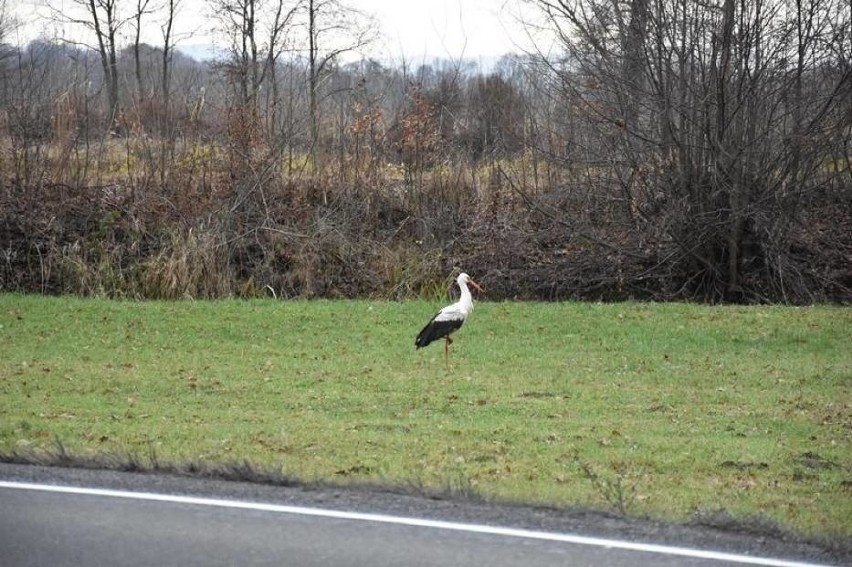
718 119
333 28
259 31
277 38
497 116
6 21
239 19
166 129
7 53
104 20
140 11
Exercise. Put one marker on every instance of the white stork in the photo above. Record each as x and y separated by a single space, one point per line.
449 319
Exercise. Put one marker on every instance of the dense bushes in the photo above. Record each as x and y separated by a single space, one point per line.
392 240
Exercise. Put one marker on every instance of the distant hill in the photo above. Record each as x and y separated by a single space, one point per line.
483 63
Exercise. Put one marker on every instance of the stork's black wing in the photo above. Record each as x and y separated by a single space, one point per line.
437 328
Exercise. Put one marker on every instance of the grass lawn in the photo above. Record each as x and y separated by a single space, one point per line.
654 409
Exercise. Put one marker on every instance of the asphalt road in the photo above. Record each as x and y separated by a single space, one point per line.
67 517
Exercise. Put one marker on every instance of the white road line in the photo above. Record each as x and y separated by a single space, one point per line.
434 524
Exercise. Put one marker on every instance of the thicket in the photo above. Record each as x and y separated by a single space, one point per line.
669 152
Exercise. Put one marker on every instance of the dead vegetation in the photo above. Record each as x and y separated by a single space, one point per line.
715 169
292 238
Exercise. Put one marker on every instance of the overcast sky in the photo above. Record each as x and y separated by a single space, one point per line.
448 28
413 28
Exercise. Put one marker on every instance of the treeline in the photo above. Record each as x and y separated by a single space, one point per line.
669 151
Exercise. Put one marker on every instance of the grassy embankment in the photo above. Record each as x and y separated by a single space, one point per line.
657 409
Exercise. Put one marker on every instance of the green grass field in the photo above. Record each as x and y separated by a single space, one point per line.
665 410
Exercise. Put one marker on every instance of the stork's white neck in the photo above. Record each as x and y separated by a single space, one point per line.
466 301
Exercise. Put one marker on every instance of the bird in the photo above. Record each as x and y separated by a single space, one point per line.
449 319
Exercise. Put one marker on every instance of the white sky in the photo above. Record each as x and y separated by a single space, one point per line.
447 28
416 29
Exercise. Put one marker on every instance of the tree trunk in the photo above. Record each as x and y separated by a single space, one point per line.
634 57
312 80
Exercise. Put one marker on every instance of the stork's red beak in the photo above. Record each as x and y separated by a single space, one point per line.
476 285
